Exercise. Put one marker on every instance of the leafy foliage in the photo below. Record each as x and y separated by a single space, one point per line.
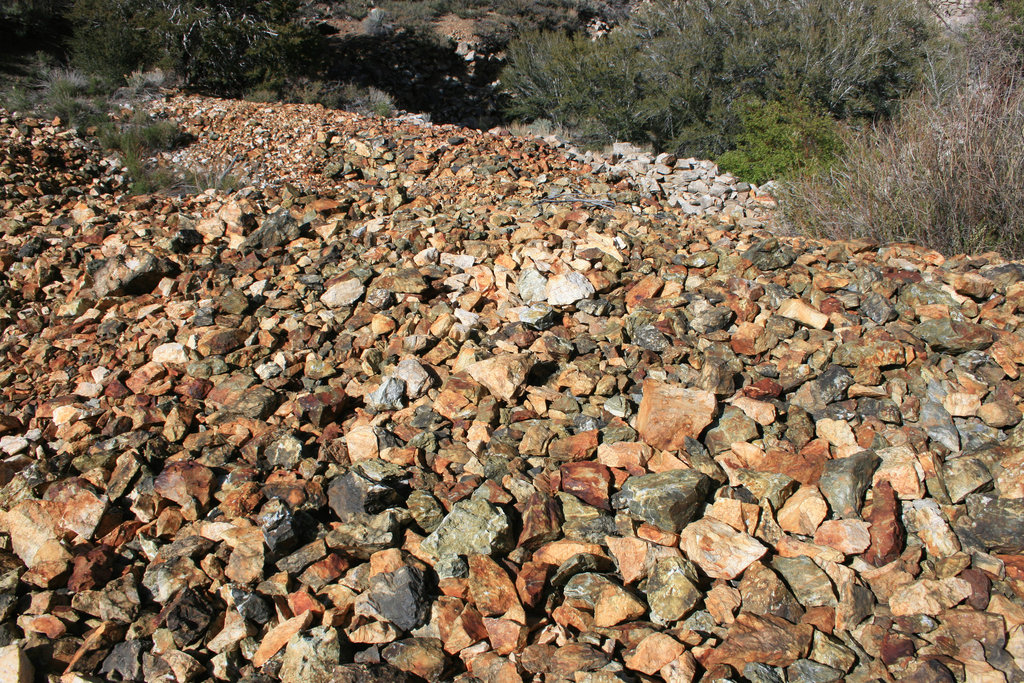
219 46
779 140
22 18
680 67
597 89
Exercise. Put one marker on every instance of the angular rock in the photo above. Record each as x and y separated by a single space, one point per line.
668 414
844 482
400 597
473 527
668 500
719 550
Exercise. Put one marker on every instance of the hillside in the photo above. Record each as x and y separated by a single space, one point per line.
424 402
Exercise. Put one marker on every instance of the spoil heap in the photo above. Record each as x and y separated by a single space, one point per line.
446 406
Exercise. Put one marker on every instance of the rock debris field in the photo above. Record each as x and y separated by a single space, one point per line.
425 403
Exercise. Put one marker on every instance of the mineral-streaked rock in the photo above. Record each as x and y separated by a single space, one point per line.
719 550
672 589
998 523
668 414
344 293
844 482
503 375
668 500
473 527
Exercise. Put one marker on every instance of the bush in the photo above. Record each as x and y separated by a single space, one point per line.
947 173
80 100
218 46
20 19
780 140
681 66
595 88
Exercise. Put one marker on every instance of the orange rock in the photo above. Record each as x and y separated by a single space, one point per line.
557 552
505 635
722 601
848 536
628 455
721 551
653 653
668 414
277 637
491 589
630 555
803 512
615 606
646 288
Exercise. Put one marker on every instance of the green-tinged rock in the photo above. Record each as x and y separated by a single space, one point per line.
672 590
845 480
946 335
668 500
473 527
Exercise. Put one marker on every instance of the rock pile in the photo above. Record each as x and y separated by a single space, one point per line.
412 418
693 185
43 159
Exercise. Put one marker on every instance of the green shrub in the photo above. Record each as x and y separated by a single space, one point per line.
218 46
779 140
138 139
369 101
20 19
595 88
679 67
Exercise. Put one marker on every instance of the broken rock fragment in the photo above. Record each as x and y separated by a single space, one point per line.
668 414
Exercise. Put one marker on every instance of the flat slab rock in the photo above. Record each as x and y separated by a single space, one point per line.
419 402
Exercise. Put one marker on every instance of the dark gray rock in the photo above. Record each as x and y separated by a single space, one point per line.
810 671
388 396
844 482
188 616
353 496
370 673
303 557
997 522
668 500
281 531
124 663
830 387
938 424
251 606
769 254
401 597
878 308
277 229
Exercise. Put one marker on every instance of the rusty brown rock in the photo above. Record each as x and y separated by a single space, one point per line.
669 414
